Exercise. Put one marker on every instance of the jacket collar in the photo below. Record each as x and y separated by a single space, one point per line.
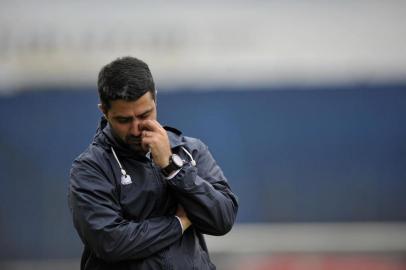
175 137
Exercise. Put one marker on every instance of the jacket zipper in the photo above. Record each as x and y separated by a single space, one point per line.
158 180
161 187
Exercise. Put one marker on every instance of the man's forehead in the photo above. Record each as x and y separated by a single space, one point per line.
130 108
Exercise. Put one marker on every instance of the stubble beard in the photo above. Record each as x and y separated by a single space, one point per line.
135 144
131 142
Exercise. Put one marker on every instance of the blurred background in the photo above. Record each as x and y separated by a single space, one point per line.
302 103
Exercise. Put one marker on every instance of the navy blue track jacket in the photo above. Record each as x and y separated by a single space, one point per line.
132 226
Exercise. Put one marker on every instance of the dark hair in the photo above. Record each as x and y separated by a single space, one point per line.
126 78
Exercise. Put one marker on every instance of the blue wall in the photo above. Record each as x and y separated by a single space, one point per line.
291 155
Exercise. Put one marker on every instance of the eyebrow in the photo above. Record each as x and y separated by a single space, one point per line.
131 117
122 117
146 112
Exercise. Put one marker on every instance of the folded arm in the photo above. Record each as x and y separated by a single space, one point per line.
98 218
205 194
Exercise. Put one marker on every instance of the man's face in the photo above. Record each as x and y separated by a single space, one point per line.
125 117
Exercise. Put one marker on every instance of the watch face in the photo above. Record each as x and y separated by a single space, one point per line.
177 160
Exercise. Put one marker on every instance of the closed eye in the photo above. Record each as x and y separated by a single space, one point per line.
145 115
124 120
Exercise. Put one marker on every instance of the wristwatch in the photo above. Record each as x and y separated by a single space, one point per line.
175 163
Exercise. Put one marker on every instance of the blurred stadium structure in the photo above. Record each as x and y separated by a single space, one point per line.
208 43
302 103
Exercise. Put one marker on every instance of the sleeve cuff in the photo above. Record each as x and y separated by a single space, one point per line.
172 175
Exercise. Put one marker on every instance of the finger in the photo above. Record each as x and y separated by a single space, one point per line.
151 125
146 145
151 137
148 142
146 133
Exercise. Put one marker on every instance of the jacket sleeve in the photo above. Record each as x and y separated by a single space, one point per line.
98 218
205 194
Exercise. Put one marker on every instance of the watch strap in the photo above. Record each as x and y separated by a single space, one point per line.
172 166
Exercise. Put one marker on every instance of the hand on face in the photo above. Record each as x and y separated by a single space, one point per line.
155 138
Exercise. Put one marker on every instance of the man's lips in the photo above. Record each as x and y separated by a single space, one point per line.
133 140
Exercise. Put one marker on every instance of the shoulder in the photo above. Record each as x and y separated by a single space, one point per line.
94 156
194 143
178 139
92 169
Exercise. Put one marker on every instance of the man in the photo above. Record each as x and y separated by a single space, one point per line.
142 195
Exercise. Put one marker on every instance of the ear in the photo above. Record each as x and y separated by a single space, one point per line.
102 109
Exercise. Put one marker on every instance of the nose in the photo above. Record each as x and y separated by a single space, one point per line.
135 129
